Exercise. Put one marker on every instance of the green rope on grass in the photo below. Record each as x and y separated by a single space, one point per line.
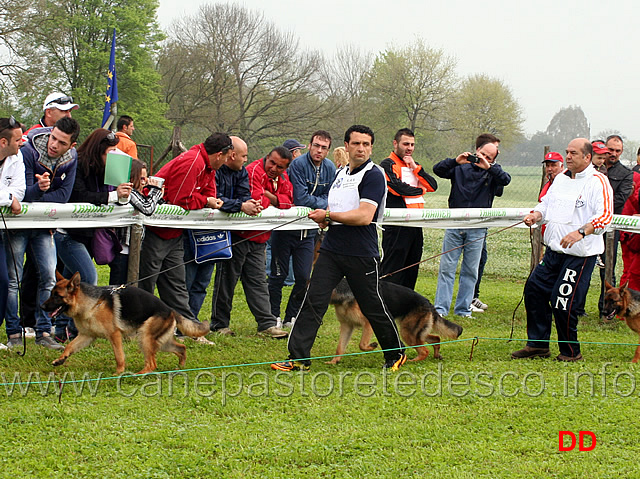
263 363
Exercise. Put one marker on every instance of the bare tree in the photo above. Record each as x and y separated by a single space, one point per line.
251 80
346 79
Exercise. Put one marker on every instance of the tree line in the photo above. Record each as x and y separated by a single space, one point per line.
229 68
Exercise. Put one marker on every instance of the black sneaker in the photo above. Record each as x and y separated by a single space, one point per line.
395 364
48 342
290 366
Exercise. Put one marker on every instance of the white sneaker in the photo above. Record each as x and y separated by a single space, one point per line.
29 332
3 347
203 340
475 310
478 304
279 322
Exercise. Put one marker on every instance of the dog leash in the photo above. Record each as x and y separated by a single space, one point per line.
452 249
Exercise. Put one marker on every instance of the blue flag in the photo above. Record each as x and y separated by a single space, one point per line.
112 83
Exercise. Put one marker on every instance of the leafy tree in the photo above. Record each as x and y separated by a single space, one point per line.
485 105
567 124
66 46
411 85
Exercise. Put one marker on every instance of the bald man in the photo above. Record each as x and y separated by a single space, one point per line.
576 210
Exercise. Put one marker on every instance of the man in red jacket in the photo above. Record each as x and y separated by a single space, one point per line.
190 183
271 186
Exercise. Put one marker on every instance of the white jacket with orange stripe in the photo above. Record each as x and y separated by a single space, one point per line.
571 203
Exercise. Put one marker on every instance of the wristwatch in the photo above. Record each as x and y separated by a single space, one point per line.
581 231
327 216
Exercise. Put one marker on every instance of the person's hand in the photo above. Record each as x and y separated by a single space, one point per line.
462 158
320 217
124 191
532 218
483 163
214 203
16 207
44 183
251 207
408 160
571 239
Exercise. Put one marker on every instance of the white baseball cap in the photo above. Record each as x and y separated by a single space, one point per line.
60 101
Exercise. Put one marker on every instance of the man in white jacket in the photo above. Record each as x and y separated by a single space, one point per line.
577 210
12 186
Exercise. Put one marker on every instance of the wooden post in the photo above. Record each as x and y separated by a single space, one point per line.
135 243
609 249
536 233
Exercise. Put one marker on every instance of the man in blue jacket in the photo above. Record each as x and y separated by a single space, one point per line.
50 162
232 185
475 181
311 175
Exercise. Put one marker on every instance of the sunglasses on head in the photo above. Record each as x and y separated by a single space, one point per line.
110 138
227 148
63 100
12 124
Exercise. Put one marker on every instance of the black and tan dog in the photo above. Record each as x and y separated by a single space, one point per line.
624 303
105 312
415 315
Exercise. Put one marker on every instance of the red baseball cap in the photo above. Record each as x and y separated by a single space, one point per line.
599 148
553 156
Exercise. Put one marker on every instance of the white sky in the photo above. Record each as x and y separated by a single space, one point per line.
551 54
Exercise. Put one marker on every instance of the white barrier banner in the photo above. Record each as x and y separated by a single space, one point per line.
85 215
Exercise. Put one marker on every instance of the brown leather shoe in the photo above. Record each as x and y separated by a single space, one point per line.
562 357
529 352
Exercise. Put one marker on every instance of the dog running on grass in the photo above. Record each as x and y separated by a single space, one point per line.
415 315
111 313
625 303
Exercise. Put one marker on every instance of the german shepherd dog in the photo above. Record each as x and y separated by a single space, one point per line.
415 315
625 303
111 313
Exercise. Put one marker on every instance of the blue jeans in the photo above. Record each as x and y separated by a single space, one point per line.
76 258
471 253
43 248
198 277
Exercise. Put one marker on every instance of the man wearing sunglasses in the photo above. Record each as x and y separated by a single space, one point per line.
190 182
50 162
57 105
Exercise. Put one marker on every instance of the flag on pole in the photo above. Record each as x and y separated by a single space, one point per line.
112 83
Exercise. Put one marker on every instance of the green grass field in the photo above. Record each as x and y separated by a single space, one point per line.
231 416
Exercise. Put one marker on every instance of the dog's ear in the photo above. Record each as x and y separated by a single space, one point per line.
624 286
59 277
607 286
74 282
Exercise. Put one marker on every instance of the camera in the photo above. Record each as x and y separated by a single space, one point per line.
473 159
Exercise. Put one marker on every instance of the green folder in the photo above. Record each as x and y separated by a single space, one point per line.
118 169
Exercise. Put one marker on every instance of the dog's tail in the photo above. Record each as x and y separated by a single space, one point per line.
189 328
445 328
